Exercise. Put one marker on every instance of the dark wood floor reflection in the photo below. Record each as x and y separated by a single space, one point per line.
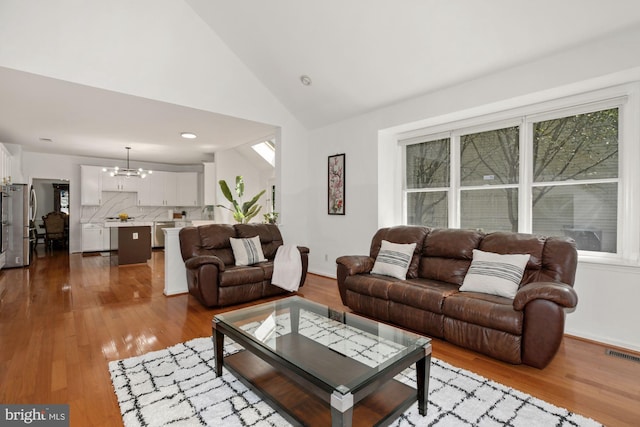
65 317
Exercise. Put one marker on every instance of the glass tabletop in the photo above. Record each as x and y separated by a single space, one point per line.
342 350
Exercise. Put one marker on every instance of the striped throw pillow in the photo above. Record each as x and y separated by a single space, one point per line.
495 274
394 259
247 251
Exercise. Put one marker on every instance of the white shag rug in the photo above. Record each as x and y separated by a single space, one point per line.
177 386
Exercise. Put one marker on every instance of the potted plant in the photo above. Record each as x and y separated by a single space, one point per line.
242 212
271 218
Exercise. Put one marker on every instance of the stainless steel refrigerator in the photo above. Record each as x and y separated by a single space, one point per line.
16 228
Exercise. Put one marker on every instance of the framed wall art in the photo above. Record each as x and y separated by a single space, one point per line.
336 170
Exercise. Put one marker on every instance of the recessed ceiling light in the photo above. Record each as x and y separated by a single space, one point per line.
306 80
188 135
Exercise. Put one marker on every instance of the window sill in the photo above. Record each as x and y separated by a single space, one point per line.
604 262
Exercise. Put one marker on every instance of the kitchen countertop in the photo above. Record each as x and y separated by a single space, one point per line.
111 224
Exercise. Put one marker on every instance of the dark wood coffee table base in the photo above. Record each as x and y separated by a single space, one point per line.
301 407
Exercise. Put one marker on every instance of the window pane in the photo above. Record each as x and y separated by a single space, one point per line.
490 157
428 209
489 210
578 147
587 213
428 164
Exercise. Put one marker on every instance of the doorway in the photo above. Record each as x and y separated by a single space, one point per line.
51 195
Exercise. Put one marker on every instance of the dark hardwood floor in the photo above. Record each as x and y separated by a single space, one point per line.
66 316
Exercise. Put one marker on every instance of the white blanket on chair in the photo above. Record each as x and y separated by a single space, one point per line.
287 268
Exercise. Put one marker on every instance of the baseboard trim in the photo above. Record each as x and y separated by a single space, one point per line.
613 346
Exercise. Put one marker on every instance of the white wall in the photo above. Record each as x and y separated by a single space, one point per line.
174 57
608 295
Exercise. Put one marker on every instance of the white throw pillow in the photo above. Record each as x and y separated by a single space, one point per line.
394 259
495 274
247 251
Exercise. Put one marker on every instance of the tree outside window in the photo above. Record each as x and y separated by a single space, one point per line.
574 187
428 168
575 178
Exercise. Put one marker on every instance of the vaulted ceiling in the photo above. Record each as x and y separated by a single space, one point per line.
365 54
360 55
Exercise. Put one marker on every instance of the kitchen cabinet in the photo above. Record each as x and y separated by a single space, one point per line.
90 185
187 189
5 165
158 189
120 183
170 189
95 238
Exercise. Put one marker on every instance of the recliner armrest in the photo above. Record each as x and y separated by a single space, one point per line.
303 249
356 264
197 261
559 293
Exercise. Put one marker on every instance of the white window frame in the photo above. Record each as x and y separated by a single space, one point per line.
624 97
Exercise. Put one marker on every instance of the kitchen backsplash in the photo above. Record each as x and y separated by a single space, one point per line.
115 203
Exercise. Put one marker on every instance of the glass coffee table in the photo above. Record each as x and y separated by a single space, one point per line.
319 366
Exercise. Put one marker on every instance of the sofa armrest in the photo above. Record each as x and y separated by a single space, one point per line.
356 264
198 261
559 293
350 265
303 249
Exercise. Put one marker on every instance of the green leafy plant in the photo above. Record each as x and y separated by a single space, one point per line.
242 212
271 218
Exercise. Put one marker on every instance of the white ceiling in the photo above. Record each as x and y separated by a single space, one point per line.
86 121
364 54
360 54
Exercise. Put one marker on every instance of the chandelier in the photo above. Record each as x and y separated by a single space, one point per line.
127 172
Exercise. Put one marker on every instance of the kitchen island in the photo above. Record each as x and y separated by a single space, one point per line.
134 241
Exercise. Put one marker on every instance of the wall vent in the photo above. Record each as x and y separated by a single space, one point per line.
622 355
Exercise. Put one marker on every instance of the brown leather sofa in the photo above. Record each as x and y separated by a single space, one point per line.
212 276
527 329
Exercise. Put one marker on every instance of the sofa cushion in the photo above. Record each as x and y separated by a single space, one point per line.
421 293
490 311
447 254
371 284
401 234
393 259
503 242
495 274
214 240
234 276
451 243
269 234
444 269
247 251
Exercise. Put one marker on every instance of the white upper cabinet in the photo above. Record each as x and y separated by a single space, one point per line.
158 189
120 183
5 165
90 185
170 189
151 192
187 185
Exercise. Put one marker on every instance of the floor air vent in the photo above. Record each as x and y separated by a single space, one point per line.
622 355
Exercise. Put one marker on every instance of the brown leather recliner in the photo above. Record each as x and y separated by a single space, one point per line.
212 276
527 329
